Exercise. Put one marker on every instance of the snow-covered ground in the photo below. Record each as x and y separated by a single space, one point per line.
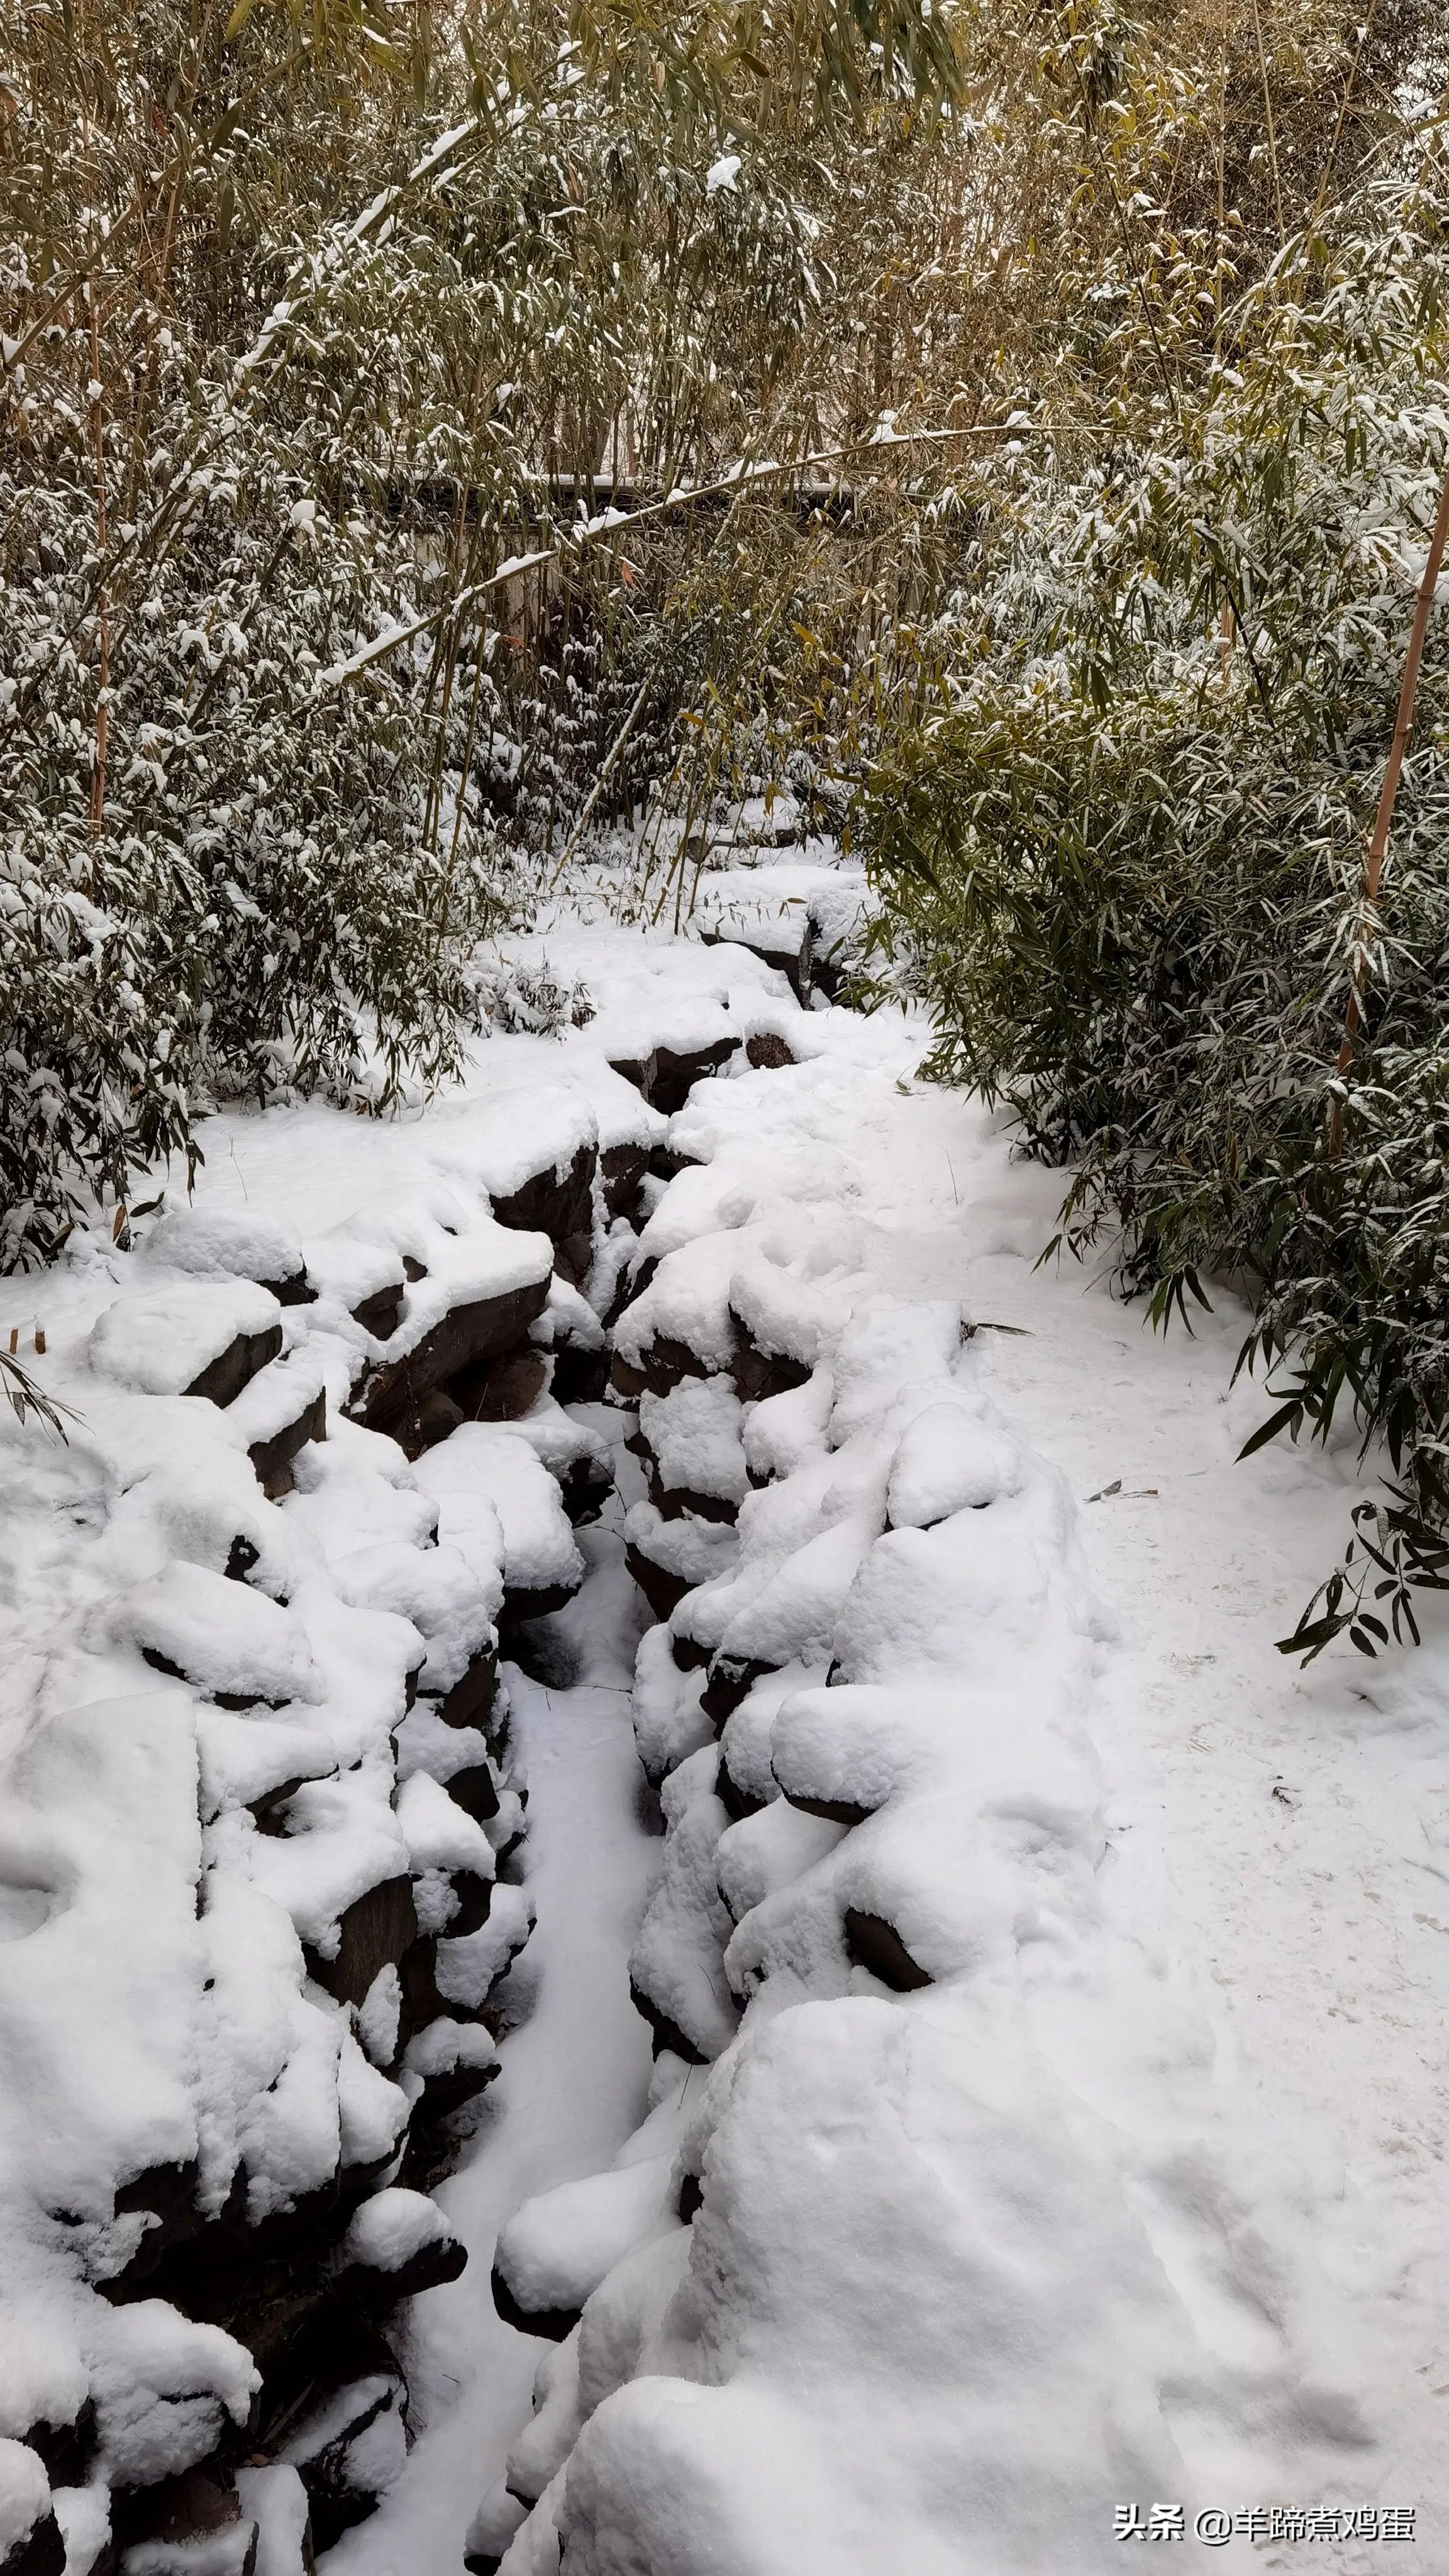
1082 2142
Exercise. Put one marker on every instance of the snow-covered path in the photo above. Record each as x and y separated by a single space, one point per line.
1287 1831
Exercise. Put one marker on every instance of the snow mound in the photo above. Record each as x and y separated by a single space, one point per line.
227 1638
216 1243
955 2174
488 1464
161 1341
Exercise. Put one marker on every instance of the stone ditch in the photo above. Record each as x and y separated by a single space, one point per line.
308 2288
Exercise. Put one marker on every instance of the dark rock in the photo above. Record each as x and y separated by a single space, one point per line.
672 1502
666 1163
557 1203
437 1417
375 1931
474 1790
471 1698
663 1591
829 972
475 1896
584 1488
262 2283
376 2292
676 1073
668 1075
688 1654
381 1313
40 2553
441 2098
242 1555
538 1602
875 1944
622 1169
166 2194
223 1378
768 1053
620 1298
836 1811
295 1290
731 1679
66 2450
554 2323
421 2001
273 1458
499 1390
574 1258
199 2502
391 1395
335 2494
638 1069
579 1376
691 2197
758 1373
736 1802
338 2346
666 2032
665 1363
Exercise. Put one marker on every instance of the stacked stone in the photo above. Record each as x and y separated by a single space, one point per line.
322 1604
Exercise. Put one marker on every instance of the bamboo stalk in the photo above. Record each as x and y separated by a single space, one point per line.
1388 793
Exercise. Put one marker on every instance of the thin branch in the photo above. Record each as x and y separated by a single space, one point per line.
740 478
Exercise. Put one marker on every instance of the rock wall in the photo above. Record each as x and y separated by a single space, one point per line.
945 2228
260 1871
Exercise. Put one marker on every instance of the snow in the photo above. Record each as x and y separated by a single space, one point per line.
437 1590
161 1339
564 1445
356 1492
436 1831
497 1145
163 2388
487 1462
279 1394
813 2391
221 1635
574 2089
567 1321
694 1434
24 2495
556 2250
217 1243
468 1967
784 907
391 2228
276 2500
668 1720
1049 1978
